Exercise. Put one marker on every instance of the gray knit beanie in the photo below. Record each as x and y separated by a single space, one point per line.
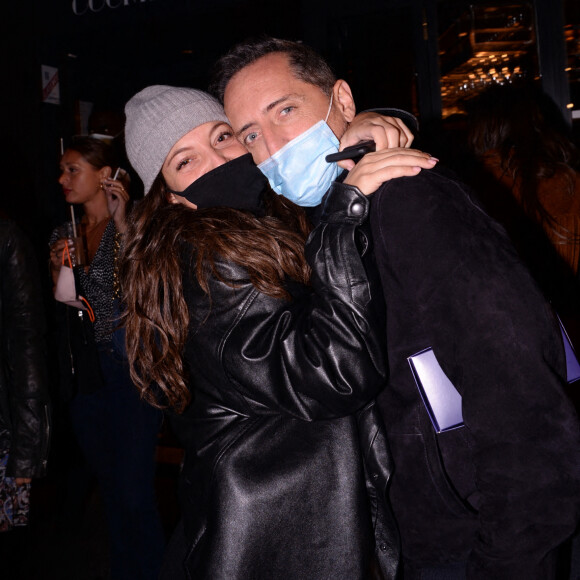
157 118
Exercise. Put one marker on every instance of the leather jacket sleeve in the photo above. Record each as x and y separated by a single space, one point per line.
320 355
25 411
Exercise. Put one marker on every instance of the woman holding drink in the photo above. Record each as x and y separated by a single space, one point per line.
116 431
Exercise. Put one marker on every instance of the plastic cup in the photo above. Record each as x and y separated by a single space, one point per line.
76 244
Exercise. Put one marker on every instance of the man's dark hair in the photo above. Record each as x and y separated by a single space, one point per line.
306 64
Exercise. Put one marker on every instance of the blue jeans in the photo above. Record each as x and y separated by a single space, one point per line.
117 432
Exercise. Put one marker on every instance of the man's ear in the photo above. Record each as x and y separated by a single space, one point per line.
343 100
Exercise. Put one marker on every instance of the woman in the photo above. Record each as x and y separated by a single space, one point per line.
264 347
116 431
530 182
516 133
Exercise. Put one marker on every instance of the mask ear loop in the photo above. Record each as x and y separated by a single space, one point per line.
329 107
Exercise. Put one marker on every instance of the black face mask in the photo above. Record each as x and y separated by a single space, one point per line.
237 184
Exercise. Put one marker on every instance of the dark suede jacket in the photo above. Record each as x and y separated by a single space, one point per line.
502 491
24 402
286 464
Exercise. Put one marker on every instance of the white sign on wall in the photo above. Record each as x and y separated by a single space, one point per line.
80 7
50 85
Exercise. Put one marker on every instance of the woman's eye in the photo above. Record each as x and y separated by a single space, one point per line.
225 136
183 163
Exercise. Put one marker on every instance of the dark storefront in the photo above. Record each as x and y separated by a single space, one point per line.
76 61
70 66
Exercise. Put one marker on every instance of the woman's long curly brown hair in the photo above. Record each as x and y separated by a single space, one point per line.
526 128
156 316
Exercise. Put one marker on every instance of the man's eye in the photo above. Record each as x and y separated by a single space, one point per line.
250 138
287 110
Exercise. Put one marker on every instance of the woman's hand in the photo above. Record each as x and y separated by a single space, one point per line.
56 251
117 199
22 480
376 168
386 132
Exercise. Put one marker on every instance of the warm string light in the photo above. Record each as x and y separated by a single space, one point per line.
479 72
499 41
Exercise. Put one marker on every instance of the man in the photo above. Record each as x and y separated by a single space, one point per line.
494 497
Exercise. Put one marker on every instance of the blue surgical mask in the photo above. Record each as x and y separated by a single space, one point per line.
299 170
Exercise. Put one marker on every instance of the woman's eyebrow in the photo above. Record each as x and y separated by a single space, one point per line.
175 153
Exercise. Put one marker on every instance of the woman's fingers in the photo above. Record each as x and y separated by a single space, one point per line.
384 131
376 168
392 156
116 189
56 251
117 198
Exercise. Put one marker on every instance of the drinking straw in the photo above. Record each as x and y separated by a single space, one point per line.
72 215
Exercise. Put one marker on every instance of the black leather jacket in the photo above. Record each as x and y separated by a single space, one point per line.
286 462
24 404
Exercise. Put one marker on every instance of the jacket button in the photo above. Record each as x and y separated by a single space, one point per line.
357 208
383 547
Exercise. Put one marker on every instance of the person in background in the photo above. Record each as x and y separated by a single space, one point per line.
25 415
529 180
116 431
495 496
232 323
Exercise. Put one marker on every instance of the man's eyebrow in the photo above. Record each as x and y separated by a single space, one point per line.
268 108
244 129
278 101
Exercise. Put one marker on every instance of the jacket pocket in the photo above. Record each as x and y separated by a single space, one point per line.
420 483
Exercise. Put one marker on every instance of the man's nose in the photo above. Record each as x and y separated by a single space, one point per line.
273 140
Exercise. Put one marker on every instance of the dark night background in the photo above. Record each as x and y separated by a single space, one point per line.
387 50
105 57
